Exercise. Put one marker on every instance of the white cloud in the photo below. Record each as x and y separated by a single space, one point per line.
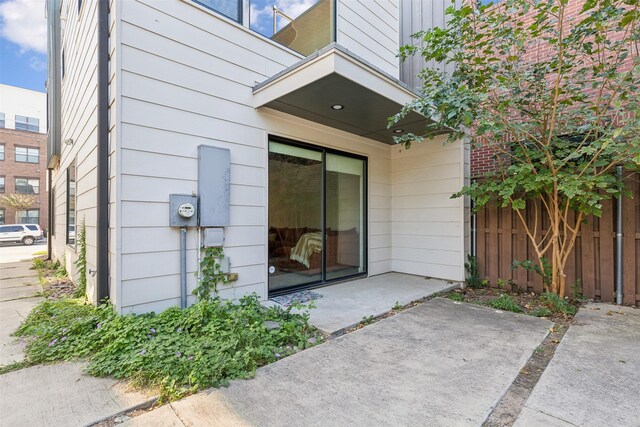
38 63
23 23
262 18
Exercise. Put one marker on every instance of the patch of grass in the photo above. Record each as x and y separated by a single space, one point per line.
397 307
40 253
506 303
557 305
540 312
455 296
177 351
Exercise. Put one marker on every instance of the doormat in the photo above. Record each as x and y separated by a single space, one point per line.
300 297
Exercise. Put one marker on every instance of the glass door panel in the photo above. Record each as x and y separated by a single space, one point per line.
345 229
295 216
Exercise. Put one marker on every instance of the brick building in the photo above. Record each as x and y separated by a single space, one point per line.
23 145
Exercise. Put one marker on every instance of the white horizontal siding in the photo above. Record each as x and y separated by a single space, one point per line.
187 78
428 226
78 123
371 30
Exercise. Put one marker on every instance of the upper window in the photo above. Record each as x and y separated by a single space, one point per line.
27 154
1 151
29 216
32 124
1 120
1 184
2 216
230 8
79 6
28 185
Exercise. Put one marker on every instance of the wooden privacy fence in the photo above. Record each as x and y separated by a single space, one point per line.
590 269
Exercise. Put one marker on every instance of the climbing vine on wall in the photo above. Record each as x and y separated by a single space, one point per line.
81 262
211 274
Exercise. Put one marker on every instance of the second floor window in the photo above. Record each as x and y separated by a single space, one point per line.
1 151
31 124
27 154
1 184
2 120
229 8
27 185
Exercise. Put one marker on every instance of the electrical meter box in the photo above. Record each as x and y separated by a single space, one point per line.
213 185
183 210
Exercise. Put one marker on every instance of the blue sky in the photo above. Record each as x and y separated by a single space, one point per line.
261 13
23 44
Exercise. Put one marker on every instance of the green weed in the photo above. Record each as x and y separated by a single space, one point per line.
455 296
178 351
506 303
556 304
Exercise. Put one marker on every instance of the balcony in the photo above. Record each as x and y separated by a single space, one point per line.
304 27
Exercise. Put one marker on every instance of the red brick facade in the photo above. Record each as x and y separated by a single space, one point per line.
10 169
482 159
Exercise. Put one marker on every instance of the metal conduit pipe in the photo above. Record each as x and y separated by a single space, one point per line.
619 234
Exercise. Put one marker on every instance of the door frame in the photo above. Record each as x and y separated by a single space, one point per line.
365 207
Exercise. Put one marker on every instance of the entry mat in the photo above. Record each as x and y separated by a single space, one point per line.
300 297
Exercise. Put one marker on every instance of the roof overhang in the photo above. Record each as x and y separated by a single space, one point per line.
334 76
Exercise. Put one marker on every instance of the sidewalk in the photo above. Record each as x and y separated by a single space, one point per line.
19 287
594 376
56 395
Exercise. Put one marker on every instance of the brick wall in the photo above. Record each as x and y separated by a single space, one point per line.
10 169
482 160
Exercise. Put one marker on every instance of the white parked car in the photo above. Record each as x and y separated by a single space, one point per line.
21 233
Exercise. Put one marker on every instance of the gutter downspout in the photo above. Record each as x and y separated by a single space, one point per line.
102 238
619 234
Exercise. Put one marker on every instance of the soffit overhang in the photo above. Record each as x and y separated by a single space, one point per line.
331 76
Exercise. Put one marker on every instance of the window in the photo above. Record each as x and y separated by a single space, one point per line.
1 184
27 154
28 185
71 204
229 8
31 124
1 216
62 65
1 151
2 120
79 6
29 216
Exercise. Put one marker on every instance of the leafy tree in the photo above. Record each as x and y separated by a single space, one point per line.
552 93
17 201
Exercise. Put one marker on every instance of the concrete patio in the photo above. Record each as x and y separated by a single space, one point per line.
344 305
439 363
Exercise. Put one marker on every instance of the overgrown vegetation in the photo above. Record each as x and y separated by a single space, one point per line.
473 279
552 94
81 262
177 351
54 278
212 274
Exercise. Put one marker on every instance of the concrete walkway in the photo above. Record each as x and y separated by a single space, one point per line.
594 376
48 395
344 305
440 363
19 287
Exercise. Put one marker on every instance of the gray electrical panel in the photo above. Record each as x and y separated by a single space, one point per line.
183 210
213 237
213 185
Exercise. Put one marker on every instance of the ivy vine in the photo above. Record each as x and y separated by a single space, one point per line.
211 274
81 262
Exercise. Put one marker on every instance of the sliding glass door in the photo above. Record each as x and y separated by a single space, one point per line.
317 207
